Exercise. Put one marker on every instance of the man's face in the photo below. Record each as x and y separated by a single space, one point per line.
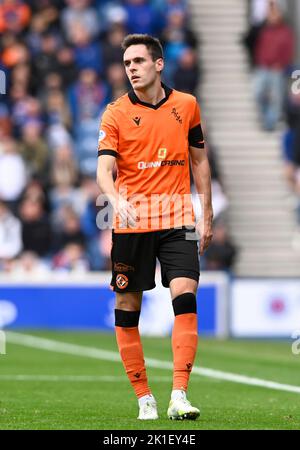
140 68
274 14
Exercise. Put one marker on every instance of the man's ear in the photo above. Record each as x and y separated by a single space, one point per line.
159 64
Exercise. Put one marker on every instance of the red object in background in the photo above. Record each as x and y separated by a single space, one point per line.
14 16
275 47
277 306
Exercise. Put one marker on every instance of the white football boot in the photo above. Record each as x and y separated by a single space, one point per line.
148 409
181 409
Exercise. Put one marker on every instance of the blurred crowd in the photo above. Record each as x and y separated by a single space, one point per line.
271 43
63 63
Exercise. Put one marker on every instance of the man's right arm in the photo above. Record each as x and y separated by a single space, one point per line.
107 186
105 177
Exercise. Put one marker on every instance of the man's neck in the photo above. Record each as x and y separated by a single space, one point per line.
152 95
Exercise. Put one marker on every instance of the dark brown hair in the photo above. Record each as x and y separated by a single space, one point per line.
153 44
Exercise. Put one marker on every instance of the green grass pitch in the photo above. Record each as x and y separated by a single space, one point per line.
109 404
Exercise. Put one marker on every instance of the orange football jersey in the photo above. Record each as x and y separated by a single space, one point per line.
151 146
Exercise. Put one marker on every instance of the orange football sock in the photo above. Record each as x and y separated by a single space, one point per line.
184 345
131 351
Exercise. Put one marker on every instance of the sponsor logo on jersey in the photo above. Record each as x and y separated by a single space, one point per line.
167 162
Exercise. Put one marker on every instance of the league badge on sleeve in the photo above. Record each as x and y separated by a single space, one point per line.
102 135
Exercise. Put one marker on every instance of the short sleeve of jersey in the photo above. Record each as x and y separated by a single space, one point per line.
196 138
108 142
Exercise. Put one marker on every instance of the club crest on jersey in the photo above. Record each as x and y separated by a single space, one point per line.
102 135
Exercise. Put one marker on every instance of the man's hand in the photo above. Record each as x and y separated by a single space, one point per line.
125 211
204 228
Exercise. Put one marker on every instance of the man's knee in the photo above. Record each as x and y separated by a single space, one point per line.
179 286
130 301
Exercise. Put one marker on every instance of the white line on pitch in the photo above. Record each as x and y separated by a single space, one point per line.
91 352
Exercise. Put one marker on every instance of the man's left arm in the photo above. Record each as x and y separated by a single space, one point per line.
202 179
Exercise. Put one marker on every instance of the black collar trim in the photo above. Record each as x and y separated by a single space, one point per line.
134 98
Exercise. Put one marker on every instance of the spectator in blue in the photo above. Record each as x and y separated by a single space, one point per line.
80 13
187 74
291 141
142 17
176 38
111 13
164 6
38 26
87 97
87 53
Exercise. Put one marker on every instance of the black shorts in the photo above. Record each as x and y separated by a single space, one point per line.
134 258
